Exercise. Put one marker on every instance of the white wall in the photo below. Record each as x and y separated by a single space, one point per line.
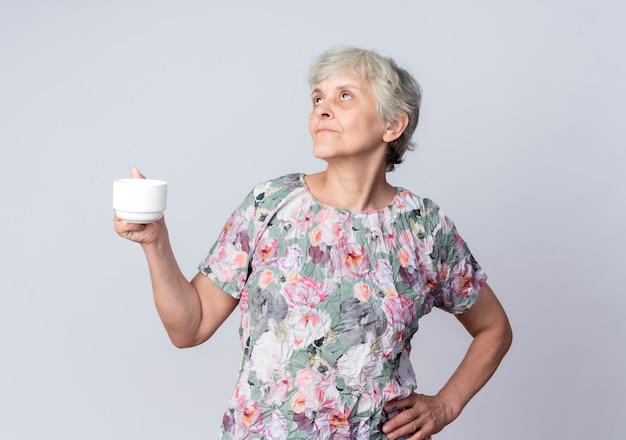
522 142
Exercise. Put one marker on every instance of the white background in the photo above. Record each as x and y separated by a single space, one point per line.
521 141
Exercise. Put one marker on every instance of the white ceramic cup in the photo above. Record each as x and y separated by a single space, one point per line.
139 200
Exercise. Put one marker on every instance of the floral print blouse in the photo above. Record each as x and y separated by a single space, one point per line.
330 299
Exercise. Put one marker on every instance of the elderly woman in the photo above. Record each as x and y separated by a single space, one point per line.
331 272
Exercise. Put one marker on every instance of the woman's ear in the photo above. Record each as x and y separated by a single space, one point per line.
395 128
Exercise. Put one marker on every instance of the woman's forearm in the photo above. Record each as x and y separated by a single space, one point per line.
480 362
489 326
176 299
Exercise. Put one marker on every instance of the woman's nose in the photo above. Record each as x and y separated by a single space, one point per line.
324 111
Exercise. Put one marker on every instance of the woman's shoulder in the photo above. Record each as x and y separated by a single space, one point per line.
271 192
418 205
424 213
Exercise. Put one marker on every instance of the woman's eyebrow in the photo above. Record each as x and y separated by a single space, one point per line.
348 86
340 87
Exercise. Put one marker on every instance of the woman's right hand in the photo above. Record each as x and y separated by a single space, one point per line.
144 234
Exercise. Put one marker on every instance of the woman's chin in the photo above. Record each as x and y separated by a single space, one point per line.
325 151
322 152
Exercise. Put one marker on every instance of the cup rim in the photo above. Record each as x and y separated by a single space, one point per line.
131 180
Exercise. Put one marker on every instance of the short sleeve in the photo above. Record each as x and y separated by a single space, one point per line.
459 276
228 261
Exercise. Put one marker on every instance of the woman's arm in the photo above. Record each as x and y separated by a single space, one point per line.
191 311
423 415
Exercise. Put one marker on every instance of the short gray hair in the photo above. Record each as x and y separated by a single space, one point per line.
396 91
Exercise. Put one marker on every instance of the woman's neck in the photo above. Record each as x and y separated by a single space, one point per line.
352 189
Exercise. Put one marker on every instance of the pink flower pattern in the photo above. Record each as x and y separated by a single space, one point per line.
330 300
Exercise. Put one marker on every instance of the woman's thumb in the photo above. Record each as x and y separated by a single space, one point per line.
135 174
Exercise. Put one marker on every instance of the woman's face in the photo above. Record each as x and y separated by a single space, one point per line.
344 122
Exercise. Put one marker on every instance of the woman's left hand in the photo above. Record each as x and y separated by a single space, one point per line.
418 417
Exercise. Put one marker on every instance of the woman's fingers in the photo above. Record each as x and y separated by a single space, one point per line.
142 233
399 404
130 231
417 415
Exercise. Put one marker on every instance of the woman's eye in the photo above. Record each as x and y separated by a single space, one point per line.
345 95
317 101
